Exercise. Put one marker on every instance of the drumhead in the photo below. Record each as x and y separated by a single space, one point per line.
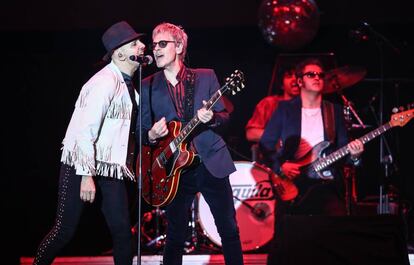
254 203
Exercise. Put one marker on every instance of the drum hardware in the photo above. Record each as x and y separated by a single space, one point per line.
251 188
254 203
191 244
335 81
350 189
339 78
259 210
349 106
153 229
158 241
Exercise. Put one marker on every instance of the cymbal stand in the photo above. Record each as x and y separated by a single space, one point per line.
350 192
192 244
349 105
157 221
158 240
349 171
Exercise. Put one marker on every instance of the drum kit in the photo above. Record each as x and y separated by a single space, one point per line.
253 194
254 202
338 79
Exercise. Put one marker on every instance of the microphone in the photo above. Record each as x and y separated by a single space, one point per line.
142 59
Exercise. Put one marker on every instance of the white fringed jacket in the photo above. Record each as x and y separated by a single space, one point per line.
96 140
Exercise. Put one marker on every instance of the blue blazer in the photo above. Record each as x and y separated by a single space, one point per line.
157 103
284 127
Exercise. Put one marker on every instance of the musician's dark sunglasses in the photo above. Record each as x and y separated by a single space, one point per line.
161 43
312 75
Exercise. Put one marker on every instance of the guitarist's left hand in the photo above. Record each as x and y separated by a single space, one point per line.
204 115
356 148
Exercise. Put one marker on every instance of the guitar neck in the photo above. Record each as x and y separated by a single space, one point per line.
192 124
326 161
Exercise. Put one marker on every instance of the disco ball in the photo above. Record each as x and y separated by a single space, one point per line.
288 24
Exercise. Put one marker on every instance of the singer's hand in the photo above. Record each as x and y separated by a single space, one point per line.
87 189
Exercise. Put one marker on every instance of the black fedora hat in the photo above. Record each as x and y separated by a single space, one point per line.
117 35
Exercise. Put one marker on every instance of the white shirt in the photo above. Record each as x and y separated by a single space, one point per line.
312 131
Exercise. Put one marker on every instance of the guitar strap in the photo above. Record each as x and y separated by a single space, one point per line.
329 120
189 112
189 95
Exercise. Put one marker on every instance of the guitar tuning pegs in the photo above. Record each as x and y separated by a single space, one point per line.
401 108
238 89
394 110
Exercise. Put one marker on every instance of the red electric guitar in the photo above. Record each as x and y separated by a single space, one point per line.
163 164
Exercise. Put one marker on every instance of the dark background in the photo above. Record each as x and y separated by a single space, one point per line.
50 48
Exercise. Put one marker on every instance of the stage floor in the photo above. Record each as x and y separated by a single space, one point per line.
249 259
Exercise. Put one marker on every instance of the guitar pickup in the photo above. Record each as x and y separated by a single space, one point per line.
162 158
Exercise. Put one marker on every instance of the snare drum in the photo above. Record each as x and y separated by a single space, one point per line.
254 203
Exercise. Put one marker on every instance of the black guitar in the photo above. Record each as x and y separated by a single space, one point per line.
314 164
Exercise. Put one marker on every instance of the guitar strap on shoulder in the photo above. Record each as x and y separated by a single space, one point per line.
150 99
189 95
329 120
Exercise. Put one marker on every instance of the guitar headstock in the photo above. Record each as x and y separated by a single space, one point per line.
235 82
401 118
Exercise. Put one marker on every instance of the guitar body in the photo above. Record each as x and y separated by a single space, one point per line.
286 190
307 161
289 189
162 167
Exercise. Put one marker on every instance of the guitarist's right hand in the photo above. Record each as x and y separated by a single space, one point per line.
158 130
290 170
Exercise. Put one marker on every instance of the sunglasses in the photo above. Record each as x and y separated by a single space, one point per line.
312 75
161 44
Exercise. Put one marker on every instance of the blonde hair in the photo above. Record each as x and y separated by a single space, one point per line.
177 32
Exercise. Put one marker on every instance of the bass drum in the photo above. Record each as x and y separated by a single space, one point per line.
254 203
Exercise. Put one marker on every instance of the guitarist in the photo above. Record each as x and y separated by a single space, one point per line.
179 93
298 125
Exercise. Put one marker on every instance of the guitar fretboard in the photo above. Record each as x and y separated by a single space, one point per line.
195 121
326 161
235 82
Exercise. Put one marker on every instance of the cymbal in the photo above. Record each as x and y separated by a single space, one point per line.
340 78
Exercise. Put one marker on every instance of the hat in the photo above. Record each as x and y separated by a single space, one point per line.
116 36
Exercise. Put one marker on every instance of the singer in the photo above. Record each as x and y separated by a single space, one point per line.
99 149
179 93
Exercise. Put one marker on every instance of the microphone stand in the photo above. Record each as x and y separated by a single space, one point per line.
385 160
139 173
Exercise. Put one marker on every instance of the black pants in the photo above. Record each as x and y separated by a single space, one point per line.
325 199
219 196
114 207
